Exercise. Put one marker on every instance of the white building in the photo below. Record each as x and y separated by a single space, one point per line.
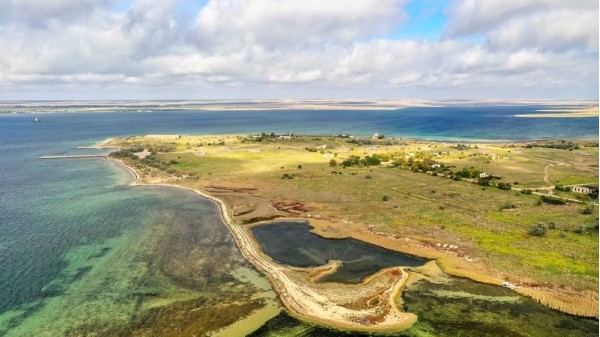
581 189
483 175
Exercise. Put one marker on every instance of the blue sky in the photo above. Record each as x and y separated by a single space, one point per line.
426 20
144 49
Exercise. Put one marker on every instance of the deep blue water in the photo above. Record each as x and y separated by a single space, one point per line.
475 123
50 207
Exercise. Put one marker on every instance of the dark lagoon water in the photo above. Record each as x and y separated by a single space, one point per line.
457 307
81 253
293 243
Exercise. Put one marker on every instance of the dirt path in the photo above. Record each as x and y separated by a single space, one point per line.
546 175
336 305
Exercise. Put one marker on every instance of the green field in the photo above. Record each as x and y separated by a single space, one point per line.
490 224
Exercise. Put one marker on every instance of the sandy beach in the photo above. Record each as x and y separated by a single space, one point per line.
319 303
563 113
335 305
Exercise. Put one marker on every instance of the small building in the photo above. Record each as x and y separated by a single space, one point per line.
581 189
375 135
483 175
285 137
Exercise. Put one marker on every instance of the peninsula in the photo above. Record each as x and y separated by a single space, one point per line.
521 215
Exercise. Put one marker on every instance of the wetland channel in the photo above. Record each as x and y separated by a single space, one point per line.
453 307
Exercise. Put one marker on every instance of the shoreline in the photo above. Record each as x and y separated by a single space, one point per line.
562 113
305 303
448 264
569 302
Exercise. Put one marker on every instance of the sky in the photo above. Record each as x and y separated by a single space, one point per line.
298 49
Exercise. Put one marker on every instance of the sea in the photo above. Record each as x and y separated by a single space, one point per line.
82 253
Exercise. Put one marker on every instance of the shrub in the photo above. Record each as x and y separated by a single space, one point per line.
368 176
580 229
371 160
332 163
539 229
299 166
526 191
588 210
287 176
552 201
385 198
483 181
351 161
121 153
504 186
173 161
508 205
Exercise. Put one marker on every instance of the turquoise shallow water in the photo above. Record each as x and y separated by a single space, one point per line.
71 229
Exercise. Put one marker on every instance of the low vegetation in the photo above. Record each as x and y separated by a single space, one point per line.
563 145
429 191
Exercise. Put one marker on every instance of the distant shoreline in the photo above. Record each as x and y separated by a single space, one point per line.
43 107
562 113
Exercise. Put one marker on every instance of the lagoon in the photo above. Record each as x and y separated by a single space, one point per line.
80 251
292 243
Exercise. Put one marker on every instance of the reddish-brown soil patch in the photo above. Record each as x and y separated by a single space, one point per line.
395 272
291 207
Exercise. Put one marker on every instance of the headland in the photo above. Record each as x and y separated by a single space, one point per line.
459 204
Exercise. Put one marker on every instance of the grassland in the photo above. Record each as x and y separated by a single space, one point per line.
481 232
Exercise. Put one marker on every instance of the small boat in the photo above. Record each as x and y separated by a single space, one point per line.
36 119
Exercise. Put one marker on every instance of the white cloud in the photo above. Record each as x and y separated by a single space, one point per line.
231 24
40 12
560 30
543 48
478 17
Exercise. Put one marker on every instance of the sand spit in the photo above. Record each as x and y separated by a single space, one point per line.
563 113
307 300
369 306
565 299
